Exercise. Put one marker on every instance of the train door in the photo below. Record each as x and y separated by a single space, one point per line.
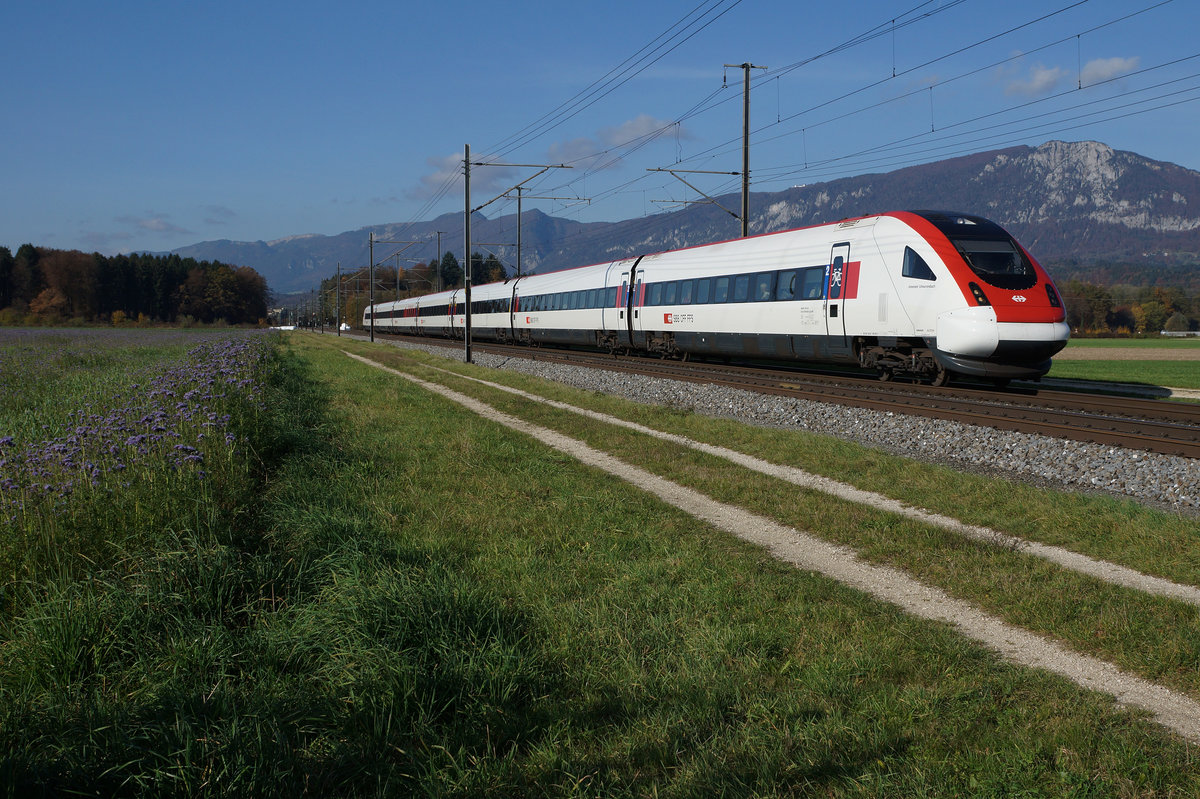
835 298
627 304
609 312
514 307
452 316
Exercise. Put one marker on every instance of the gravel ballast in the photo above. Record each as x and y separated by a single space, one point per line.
1162 480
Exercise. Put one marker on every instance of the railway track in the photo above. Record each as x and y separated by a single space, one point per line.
1151 425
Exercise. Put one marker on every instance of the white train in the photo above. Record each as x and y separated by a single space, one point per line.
924 293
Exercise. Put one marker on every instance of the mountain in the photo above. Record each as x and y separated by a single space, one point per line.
1080 207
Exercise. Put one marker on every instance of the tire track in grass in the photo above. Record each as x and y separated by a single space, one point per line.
1173 710
1107 571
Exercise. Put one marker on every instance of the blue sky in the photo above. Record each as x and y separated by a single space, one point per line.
153 125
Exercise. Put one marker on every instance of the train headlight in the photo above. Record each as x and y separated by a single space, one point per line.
1055 300
980 297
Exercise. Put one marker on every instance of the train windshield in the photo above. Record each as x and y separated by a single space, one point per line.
998 262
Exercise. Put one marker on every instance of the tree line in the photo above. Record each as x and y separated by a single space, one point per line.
1125 309
394 284
40 285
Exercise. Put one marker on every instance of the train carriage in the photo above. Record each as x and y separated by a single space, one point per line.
925 293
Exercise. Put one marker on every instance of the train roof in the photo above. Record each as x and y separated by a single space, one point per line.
963 226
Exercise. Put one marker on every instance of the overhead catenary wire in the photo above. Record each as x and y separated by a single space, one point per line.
950 133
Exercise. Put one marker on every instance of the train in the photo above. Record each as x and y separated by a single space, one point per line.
928 295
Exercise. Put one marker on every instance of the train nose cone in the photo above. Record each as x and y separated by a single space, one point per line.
968 331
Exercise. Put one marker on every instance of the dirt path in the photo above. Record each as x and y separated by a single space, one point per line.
1128 354
1100 569
1171 709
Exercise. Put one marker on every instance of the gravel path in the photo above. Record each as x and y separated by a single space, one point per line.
1128 354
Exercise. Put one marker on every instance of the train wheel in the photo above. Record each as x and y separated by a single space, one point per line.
942 377
886 375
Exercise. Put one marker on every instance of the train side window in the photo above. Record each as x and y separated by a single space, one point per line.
669 292
703 290
612 296
654 294
685 291
741 288
764 286
915 266
591 298
787 285
721 290
813 285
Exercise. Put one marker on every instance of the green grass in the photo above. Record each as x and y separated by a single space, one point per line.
1144 634
1170 374
668 596
416 602
1145 371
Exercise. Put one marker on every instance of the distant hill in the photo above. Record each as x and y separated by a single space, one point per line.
1082 208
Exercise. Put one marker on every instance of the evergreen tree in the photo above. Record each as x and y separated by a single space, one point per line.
6 277
451 272
493 269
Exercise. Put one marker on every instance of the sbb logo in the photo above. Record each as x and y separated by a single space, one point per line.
1018 298
666 319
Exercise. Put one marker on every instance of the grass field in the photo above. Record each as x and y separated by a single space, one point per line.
1168 374
395 597
1168 362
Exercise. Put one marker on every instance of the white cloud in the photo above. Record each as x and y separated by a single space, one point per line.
581 153
1102 69
218 215
449 170
1041 80
639 127
153 222
586 152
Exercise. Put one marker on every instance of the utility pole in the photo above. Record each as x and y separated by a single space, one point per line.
520 189
467 248
371 269
437 266
337 311
467 223
371 278
746 67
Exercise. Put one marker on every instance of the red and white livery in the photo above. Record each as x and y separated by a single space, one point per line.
926 293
